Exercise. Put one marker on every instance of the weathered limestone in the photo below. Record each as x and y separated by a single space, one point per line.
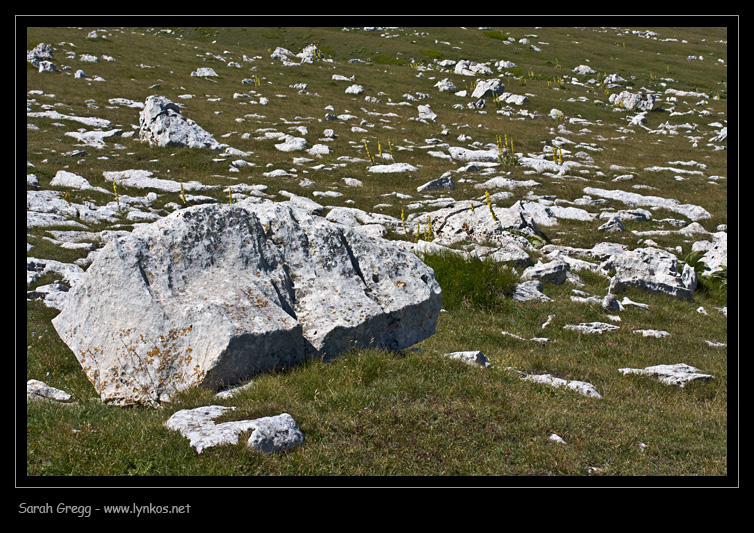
162 124
271 434
38 390
678 375
213 294
651 269
474 357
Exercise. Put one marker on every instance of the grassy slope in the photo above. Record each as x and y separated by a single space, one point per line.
377 413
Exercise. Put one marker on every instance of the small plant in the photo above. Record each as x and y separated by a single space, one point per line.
117 198
230 196
403 220
369 155
428 230
489 205
183 195
505 151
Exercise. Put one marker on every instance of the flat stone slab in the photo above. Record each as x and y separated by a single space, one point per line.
38 390
270 434
470 357
591 327
582 387
678 375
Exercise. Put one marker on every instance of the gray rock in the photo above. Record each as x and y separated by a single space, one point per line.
464 154
554 272
529 290
213 294
446 85
678 375
291 144
443 182
39 53
270 434
611 303
394 167
205 72
38 390
485 88
162 124
582 387
693 212
658 334
470 357
425 113
627 100
613 225
590 328
651 269
716 256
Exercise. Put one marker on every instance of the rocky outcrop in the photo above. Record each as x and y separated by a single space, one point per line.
162 124
651 269
213 294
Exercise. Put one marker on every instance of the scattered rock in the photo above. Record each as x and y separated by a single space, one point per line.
652 333
651 269
678 375
470 357
205 72
443 182
582 387
273 434
629 101
162 124
613 225
693 212
529 290
392 168
590 328
38 390
554 272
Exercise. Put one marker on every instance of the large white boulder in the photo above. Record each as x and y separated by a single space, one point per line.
213 294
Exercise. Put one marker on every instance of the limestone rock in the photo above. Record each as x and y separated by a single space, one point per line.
486 88
443 182
425 113
627 100
162 124
717 256
613 225
204 72
270 434
529 290
470 357
678 375
651 269
213 294
555 271
582 387
38 390
591 327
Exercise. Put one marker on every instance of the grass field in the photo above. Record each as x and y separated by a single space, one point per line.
372 412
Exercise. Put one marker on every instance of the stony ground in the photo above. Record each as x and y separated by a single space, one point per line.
570 154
